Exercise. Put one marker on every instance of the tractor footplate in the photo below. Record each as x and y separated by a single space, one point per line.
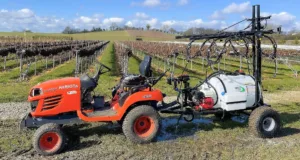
104 111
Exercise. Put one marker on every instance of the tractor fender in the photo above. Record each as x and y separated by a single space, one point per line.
140 97
134 101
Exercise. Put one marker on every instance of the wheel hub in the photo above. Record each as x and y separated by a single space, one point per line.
143 126
268 124
49 141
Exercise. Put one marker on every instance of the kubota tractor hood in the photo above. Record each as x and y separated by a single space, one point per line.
55 86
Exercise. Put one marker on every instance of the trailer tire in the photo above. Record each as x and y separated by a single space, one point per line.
49 139
264 122
141 124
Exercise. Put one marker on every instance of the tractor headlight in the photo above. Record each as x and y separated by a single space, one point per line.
33 105
36 92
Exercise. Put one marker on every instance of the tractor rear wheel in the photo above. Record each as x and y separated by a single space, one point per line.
141 124
49 139
264 122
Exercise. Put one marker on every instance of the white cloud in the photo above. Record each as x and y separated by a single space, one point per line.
284 19
237 8
230 9
217 15
151 3
129 24
99 16
153 22
184 25
86 20
108 21
18 20
182 2
13 20
140 15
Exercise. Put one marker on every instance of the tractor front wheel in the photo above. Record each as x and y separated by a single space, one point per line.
49 139
141 124
264 122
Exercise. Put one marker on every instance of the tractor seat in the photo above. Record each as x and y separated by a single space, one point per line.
132 80
87 83
145 67
145 71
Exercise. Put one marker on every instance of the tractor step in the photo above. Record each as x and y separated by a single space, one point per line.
103 111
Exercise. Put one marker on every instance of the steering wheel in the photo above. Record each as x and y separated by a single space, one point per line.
102 65
99 71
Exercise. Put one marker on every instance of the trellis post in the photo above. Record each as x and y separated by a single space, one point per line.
35 65
46 62
224 63
77 65
4 63
202 63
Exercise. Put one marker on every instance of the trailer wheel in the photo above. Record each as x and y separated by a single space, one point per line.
264 122
141 124
49 139
189 116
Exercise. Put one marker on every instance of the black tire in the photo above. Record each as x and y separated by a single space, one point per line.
264 122
132 119
53 134
188 117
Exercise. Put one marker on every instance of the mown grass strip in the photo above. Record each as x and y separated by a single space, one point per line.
110 79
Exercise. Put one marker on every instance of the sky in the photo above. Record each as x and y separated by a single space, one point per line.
52 16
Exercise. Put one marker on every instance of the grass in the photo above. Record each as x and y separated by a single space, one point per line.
18 91
14 92
105 35
12 74
218 140
108 80
66 69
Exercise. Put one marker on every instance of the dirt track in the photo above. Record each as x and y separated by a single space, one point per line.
205 138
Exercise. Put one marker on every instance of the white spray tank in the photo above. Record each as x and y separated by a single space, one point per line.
230 92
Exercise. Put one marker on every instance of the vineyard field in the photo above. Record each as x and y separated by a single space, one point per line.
188 134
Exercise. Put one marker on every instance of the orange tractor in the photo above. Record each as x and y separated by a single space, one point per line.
69 100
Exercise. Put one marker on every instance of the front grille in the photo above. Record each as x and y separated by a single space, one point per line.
51 102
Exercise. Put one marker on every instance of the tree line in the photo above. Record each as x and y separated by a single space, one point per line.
282 38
